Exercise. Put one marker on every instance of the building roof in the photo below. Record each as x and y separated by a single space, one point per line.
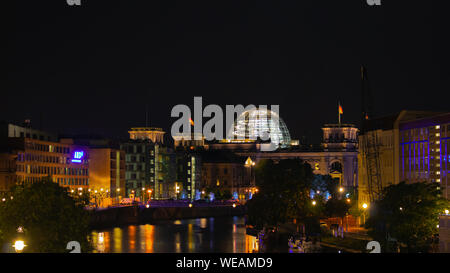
388 122
427 121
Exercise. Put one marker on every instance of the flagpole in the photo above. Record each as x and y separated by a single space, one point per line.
339 113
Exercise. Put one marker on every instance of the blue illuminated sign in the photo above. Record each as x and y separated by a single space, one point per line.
77 156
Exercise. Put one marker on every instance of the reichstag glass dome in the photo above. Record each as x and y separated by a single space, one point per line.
261 123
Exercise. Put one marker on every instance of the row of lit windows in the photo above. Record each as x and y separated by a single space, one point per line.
73 181
36 169
61 181
44 158
48 148
418 134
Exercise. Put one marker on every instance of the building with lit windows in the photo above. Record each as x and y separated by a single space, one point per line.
263 124
106 164
407 146
66 164
228 173
8 169
425 150
155 135
107 170
335 156
188 174
148 164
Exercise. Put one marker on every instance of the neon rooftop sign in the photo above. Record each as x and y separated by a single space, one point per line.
77 156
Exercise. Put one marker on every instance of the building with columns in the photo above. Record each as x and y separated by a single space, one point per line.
336 156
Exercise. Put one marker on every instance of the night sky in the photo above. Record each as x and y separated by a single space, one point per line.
93 69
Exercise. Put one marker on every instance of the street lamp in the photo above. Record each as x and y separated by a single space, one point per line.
365 206
314 202
117 195
19 245
177 190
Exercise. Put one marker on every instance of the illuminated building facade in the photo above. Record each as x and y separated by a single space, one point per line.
8 167
425 150
148 163
395 138
155 135
68 165
188 174
107 170
263 124
336 156
228 174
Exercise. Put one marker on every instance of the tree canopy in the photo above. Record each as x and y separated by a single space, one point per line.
49 215
407 213
283 192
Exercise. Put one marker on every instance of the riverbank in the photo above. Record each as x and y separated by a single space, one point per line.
347 244
134 215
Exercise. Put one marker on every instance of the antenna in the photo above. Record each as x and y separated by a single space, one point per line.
146 115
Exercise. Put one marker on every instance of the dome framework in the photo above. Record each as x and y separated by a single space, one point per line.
261 123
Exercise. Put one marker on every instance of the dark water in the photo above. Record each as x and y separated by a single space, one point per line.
221 234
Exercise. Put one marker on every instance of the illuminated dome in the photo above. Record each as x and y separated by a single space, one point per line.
261 123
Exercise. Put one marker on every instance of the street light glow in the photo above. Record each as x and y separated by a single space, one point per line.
314 202
365 206
341 189
19 245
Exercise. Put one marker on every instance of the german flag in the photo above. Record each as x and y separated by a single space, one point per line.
341 111
191 121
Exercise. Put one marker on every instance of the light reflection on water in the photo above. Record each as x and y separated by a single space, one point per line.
223 234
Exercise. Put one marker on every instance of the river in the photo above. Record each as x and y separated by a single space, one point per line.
203 235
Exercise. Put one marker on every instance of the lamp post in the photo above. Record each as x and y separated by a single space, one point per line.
365 206
19 244
177 190
149 191
249 163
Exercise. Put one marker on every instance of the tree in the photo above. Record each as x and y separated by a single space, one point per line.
407 213
283 192
49 215
324 184
219 193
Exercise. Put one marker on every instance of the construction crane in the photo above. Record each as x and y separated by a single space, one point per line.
370 145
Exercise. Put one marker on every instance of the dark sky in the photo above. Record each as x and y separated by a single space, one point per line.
93 68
